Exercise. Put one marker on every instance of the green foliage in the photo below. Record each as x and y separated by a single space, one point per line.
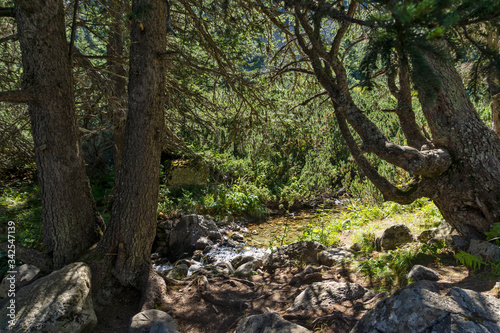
494 234
470 260
324 229
389 270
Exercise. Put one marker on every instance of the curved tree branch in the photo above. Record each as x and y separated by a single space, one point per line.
417 188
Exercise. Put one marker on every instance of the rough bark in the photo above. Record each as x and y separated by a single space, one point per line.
71 223
470 189
462 171
118 92
132 227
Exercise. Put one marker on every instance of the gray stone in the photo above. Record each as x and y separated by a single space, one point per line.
419 272
394 237
484 250
187 231
222 268
332 256
237 237
288 255
202 243
60 302
178 272
268 323
414 309
323 294
152 321
24 274
249 267
240 260
426 235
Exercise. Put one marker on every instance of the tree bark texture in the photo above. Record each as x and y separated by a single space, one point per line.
118 92
71 223
132 227
469 194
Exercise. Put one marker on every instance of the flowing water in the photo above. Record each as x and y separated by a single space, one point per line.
259 236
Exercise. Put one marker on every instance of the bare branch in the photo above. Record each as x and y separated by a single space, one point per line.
16 96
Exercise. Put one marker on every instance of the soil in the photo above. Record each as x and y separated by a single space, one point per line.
218 303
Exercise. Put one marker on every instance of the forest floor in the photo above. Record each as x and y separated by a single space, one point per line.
233 298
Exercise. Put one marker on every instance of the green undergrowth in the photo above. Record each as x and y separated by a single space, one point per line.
20 203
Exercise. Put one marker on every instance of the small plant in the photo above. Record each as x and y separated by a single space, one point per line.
471 261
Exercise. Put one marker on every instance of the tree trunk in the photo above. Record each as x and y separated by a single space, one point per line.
461 173
469 191
132 227
71 223
118 96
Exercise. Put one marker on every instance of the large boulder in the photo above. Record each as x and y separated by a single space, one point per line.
60 302
444 233
153 321
421 309
484 250
322 294
23 274
288 255
268 323
394 237
187 230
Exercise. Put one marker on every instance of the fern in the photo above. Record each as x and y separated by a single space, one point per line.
470 260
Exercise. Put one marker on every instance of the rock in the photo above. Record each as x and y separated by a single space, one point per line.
426 235
178 272
202 243
152 321
268 323
237 237
309 275
24 274
187 231
484 250
447 234
393 237
249 267
59 302
222 268
330 257
419 272
322 294
304 252
355 247
414 309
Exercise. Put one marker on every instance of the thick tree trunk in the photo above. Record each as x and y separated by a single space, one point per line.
132 228
461 172
71 223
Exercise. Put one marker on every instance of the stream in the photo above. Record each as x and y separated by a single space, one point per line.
258 237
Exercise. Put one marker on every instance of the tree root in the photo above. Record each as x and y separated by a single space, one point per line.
208 297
